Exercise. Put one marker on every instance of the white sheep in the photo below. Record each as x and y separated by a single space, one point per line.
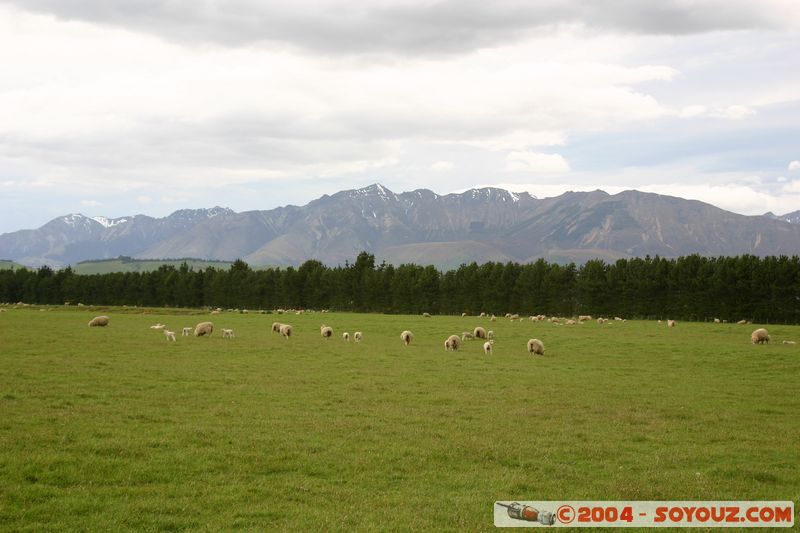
490 334
467 336
479 333
170 335
204 328
185 332
716 321
452 343
788 342
760 336
358 336
326 331
98 321
286 330
227 334
406 337
671 323
346 337
493 319
487 347
743 322
276 327
535 346
426 315
463 314
158 325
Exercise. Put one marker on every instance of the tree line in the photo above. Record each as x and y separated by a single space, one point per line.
762 289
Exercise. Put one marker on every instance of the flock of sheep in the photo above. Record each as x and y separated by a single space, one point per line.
451 343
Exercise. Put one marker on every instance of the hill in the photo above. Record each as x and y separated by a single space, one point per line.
127 264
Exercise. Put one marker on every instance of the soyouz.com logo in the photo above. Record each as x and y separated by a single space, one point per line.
643 514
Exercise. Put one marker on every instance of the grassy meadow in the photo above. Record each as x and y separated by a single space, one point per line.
108 429
107 266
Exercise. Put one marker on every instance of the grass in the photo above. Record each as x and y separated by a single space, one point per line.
116 429
5 265
106 266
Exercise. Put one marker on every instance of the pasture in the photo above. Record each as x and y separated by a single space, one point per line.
117 429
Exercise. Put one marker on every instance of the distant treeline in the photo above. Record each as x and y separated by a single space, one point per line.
762 289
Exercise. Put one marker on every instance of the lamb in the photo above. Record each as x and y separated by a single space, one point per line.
406 337
570 322
286 330
452 343
358 336
467 336
426 315
170 335
493 319
479 333
513 317
742 322
671 323
789 342
760 336
99 321
204 328
487 347
158 325
583 318
490 334
216 312
186 331
483 314
716 321
346 337
326 331
535 346
227 334
463 314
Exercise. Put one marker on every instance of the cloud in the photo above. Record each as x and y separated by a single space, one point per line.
411 26
91 203
442 166
144 200
794 165
536 162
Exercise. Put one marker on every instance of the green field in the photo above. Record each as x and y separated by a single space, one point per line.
107 266
107 429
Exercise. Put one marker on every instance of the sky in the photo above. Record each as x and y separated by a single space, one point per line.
149 106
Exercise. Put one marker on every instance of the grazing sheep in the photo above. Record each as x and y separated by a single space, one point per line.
671 323
186 331
618 319
760 336
452 343
170 335
463 314
98 321
487 347
570 322
743 322
216 312
358 336
158 325
602 320
535 346
490 334
467 336
346 337
493 319
508 315
483 314
326 331
204 328
286 330
426 315
227 334
276 327
406 337
788 342
716 321
479 333
583 318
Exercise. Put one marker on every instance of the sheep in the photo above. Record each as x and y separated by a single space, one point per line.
99 321
487 347
716 321
467 336
490 334
788 342
742 322
169 335
186 331
570 322
760 336
286 330
463 314
671 323
602 320
406 337
227 334
216 312
535 346
346 337
483 314
426 315
479 333
158 325
508 315
358 336
583 318
618 319
513 317
326 331
204 328
493 319
452 343
276 327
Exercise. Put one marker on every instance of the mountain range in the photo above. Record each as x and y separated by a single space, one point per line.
420 226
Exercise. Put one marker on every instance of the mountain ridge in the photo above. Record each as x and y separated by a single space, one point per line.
479 224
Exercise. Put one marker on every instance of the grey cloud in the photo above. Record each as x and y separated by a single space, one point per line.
447 26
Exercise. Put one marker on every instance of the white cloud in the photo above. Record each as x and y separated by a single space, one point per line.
536 162
90 203
794 165
442 166
144 199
